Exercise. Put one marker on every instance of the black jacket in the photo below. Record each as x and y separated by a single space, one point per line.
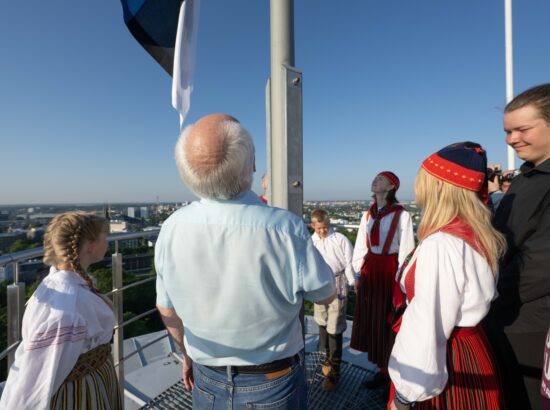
523 216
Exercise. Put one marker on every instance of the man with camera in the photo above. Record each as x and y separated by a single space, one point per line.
499 182
517 323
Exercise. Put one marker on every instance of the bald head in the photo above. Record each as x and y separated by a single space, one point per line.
206 144
215 157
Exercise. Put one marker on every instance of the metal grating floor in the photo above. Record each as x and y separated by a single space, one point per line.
349 395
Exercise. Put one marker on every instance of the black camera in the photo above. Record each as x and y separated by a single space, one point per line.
497 173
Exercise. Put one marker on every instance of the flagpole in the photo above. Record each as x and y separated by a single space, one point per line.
284 113
282 52
509 67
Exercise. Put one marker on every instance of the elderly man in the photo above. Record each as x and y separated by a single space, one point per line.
232 275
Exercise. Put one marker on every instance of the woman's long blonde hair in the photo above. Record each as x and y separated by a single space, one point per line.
65 236
442 202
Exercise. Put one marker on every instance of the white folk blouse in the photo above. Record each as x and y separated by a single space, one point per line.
337 252
454 286
63 319
402 243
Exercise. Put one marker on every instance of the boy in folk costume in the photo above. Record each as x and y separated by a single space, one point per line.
384 239
441 358
337 252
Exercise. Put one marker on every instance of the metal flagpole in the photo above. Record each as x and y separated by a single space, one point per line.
284 113
509 68
284 117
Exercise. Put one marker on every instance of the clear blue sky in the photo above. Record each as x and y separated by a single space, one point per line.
85 112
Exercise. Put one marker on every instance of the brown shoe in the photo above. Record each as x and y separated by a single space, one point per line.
326 368
331 381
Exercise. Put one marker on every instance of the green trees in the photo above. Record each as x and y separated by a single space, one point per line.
136 300
23 244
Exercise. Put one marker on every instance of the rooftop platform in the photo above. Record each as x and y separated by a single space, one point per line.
153 378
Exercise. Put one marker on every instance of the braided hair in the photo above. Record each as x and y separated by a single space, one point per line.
65 236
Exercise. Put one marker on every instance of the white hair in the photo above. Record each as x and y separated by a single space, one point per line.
228 178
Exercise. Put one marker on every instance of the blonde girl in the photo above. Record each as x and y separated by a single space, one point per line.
441 358
64 360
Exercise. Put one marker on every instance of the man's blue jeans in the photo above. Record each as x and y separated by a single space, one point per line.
216 390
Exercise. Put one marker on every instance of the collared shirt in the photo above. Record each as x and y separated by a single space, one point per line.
337 252
402 242
62 320
523 216
236 272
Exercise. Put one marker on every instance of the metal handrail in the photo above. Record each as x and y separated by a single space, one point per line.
130 285
141 348
9 350
25 255
132 320
33 253
18 257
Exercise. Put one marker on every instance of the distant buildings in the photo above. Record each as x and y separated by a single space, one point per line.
9 238
118 225
138 212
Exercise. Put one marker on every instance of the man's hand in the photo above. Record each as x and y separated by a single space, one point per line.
187 370
395 405
493 184
356 285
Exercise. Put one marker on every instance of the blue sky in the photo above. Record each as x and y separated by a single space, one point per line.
85 113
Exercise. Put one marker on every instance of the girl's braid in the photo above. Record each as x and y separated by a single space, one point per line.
75 245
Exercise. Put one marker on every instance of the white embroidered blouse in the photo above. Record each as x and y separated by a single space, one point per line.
454 286
62 320
402 243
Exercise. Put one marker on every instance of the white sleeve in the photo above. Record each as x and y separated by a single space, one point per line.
360 249
348 258
42 363
417 364
406 241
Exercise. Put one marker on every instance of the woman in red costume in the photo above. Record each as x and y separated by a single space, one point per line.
384 239
441 359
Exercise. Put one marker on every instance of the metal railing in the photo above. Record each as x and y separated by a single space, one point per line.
16 299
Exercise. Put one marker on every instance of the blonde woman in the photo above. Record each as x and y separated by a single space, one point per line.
64 360
441 357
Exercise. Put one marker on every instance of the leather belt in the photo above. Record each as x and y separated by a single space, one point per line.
265 368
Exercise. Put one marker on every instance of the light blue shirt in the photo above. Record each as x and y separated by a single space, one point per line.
236 272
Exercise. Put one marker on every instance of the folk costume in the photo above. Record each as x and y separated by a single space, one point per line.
384 239
64 359
445 289
337 252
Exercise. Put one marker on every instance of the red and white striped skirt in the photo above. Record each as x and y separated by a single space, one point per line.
473 382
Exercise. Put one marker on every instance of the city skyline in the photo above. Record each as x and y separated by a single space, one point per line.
85 113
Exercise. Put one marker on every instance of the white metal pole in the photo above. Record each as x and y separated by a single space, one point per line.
509 68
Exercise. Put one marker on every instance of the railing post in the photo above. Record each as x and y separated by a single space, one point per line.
16 307
118 339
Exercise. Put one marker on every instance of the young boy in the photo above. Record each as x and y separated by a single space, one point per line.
337 251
